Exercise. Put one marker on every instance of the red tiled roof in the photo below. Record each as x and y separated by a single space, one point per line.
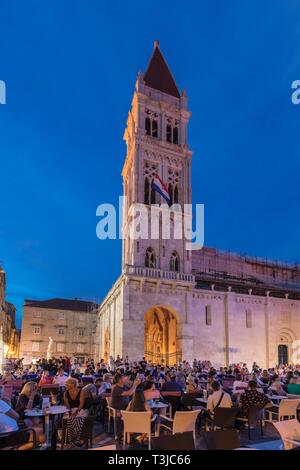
63 304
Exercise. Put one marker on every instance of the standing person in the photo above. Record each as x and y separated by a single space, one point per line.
111 364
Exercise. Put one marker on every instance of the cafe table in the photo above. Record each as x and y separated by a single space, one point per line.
277 397
46 413
160 405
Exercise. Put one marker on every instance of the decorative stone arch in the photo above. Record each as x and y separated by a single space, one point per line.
162 335
286 337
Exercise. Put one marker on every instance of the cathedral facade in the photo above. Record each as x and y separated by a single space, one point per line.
169 303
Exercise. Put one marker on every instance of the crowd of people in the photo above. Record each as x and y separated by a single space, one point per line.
134 386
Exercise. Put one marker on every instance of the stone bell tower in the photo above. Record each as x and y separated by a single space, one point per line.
156 138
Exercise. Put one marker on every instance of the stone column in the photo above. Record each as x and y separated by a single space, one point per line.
266 309
226 329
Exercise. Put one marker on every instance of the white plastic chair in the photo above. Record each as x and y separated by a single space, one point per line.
286 409
112 414
138 422
289 430
184 421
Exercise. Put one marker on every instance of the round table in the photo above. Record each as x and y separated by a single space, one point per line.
46 413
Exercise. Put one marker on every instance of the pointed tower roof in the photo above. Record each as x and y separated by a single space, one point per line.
158 75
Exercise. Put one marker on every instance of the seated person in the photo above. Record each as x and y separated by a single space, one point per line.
276 386
45 379
29 398
91 393
60 378
106 383
120 395
294 386
218 398
170 385
8 424
239 385
138 402
252 397
151 393
74 398
192 385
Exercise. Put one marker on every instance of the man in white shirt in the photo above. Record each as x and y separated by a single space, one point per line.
219 398
8 418
60 378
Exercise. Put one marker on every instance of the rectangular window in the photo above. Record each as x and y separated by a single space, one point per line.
154 128
61 331
169 133
35 347
80 348
36 330
37 314
81 332
175 135
62 316
248 319
60 347
82 317
148 126
208 315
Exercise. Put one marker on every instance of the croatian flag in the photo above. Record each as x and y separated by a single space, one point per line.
160 187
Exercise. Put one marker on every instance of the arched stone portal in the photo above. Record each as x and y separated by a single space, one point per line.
163 335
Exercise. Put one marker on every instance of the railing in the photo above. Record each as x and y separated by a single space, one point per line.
158 273
160 358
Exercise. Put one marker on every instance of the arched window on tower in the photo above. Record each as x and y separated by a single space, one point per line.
174 262
176 195
175 135
151 126
148 125
172 131
169 133
150 261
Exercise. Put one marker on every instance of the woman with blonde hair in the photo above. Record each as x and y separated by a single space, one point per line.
74 400
28 399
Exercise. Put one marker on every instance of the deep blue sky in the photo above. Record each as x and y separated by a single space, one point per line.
70 68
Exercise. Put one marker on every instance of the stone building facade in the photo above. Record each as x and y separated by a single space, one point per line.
71 325
9 335
170 303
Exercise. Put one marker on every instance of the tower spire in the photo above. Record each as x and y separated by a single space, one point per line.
158 75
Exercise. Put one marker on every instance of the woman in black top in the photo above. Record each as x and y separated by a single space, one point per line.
74 398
